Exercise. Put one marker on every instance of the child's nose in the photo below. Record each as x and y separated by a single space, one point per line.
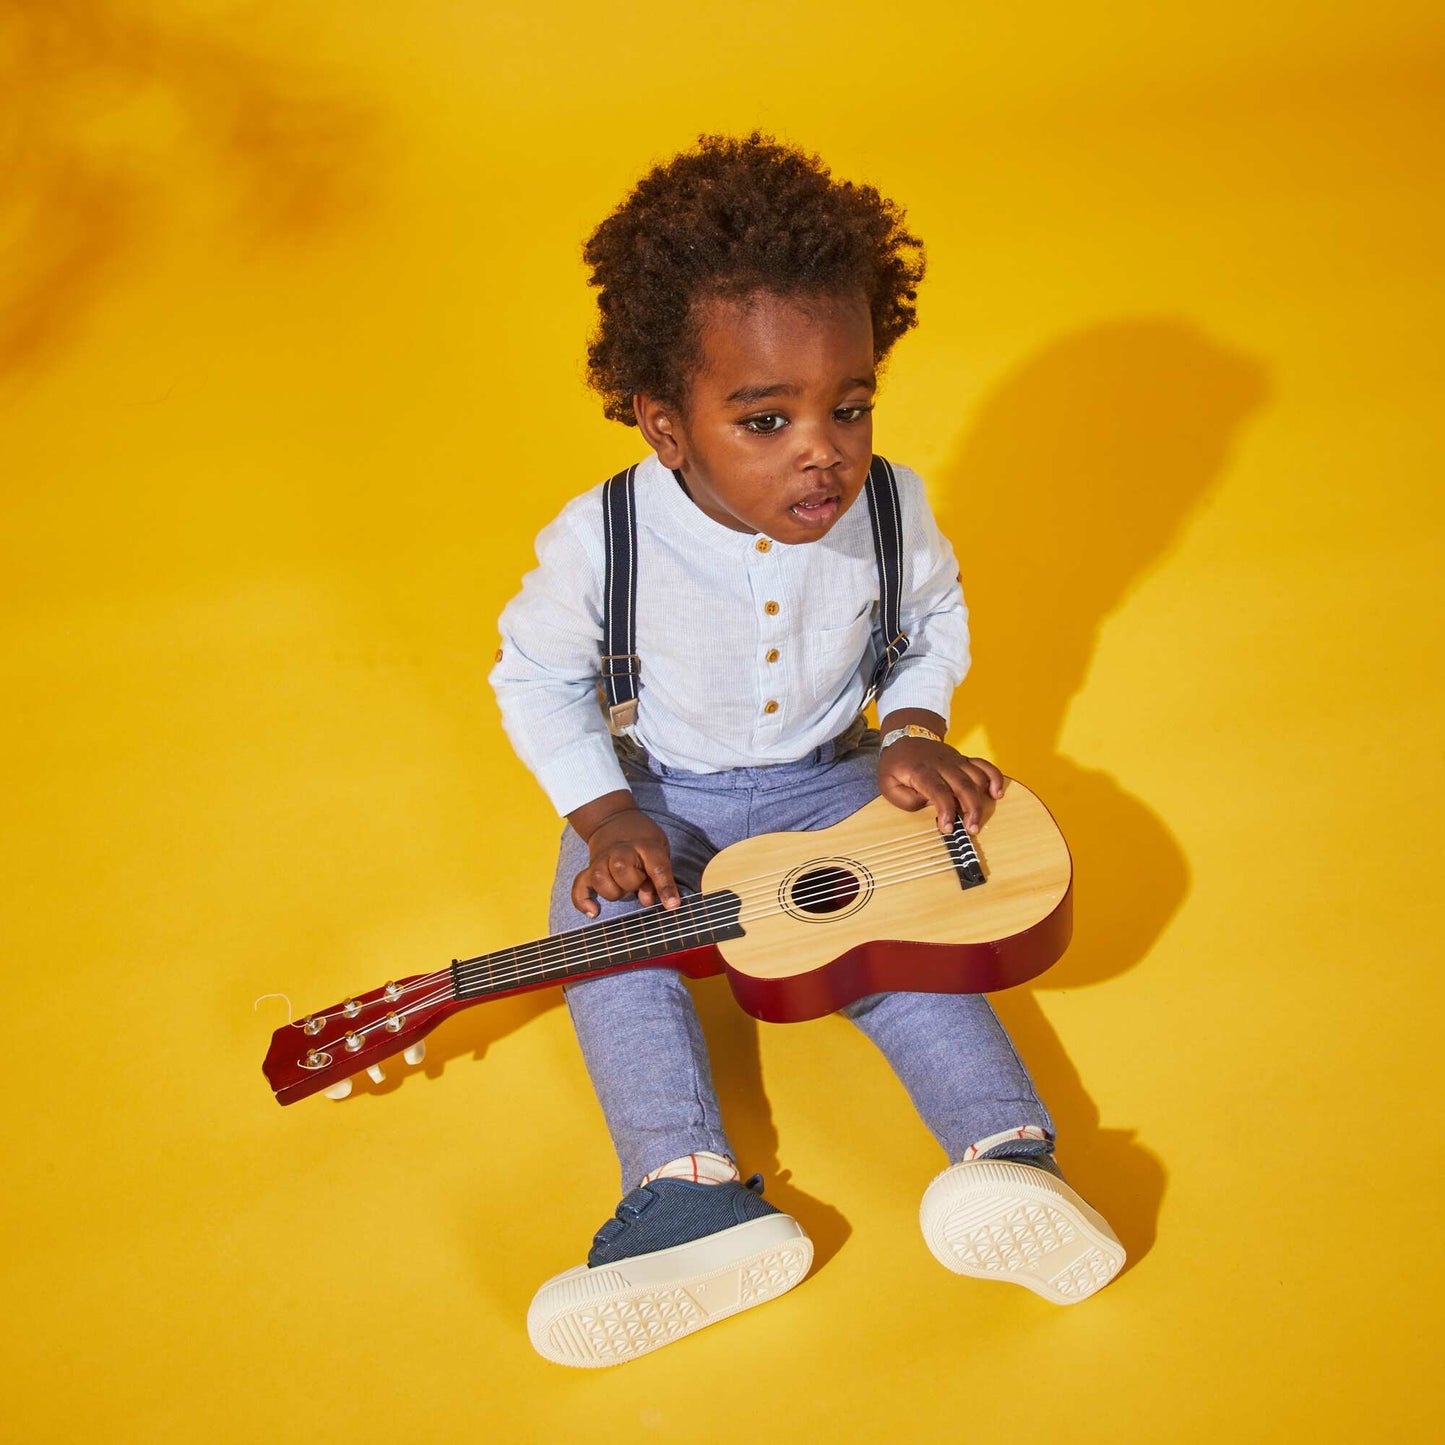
819 448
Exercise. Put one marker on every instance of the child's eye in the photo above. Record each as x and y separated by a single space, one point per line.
853 413
766 425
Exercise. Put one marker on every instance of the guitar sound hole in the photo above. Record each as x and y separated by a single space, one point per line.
824 890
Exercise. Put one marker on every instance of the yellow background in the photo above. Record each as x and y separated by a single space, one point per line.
291 329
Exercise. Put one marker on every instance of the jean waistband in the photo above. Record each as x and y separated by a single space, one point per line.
764 776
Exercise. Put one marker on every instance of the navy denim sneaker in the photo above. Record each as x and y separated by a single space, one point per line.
1037 1152
1017 1219
676 1256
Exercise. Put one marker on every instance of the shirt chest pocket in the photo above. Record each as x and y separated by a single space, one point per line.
836 654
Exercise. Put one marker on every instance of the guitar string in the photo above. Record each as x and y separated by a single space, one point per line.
447 994
891 852
656 926
657 923
520 975
654 930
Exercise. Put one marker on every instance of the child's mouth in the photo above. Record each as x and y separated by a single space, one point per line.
819 513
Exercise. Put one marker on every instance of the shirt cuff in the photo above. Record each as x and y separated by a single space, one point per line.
586 770
918 683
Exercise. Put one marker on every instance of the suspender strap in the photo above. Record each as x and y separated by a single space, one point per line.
887 518
621 669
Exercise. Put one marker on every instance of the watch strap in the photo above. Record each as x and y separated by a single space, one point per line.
911 731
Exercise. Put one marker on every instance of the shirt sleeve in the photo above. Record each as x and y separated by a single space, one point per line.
546 677
932 611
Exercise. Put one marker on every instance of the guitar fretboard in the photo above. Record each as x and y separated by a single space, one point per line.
655 932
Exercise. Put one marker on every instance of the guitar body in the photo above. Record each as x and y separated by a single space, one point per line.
801 923
891 920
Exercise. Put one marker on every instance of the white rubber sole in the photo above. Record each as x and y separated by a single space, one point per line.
614 1313
991 1219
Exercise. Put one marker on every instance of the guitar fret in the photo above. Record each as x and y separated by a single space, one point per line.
522 967
573 959
679 917
615 939
596 944
632 938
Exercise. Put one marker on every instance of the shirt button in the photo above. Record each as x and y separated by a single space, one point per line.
763 545
770 707
771 608
773 654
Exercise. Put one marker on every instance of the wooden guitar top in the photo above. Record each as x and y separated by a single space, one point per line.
883 874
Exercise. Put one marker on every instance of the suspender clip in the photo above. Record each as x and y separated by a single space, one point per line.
621 717
623 714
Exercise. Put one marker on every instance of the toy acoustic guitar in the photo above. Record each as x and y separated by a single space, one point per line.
801 924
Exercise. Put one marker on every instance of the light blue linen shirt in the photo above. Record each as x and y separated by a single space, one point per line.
752 651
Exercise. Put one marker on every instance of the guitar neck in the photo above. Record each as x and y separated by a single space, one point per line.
635 938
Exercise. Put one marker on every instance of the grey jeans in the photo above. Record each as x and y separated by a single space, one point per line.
639 1032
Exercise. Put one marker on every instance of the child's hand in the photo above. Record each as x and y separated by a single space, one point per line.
629 855
916 772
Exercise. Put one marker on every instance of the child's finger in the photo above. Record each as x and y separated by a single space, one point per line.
969 808
936 794
626 874
658 862
974 794
582 899
900 794
993 779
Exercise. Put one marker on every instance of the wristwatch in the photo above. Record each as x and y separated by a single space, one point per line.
911 731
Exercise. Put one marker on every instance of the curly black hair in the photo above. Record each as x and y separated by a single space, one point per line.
727 218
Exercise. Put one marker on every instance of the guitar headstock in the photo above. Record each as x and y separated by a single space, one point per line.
324 1049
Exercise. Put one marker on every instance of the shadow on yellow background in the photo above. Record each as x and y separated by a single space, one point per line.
98 96
1076 475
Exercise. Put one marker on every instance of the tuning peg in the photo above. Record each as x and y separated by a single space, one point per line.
339 1091
378 1074
416 1052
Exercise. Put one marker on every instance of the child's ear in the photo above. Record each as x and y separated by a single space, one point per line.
655 420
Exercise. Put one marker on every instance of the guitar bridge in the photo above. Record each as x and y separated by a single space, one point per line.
966 862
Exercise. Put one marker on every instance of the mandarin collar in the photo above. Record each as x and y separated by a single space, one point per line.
661 483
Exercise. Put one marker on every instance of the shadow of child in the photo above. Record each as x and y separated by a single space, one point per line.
1074 479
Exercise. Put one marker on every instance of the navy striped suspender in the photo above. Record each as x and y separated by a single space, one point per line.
621 669
887 519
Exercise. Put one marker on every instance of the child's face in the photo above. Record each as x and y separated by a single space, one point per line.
777 433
